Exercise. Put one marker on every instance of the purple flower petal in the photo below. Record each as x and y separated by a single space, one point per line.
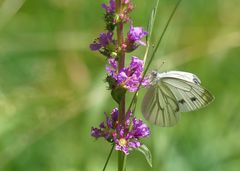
102 41
135 34
95 46
95 132
111 7
102 125
134 144
105 38
122 77
130 77
112 68
114 115
139 130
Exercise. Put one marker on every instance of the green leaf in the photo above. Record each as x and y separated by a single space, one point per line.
150 26
147 153
152 20
118 93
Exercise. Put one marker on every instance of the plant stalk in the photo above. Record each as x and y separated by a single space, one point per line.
109 155
121 62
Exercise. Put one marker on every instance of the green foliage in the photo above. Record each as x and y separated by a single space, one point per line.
147 154
118 93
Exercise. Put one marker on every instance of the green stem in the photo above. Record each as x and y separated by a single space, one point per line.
121 161
109 155
121 62
154 51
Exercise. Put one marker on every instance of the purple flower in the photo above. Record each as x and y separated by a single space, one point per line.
103 41
95 132
112 68
140 130
125 143
106 128
129 77
122 145
105 38
95 46
124 136
135 34
111 7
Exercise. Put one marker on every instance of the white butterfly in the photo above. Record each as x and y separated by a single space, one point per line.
171 93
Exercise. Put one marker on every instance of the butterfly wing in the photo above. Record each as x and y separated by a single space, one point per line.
189 95
187 76
160 106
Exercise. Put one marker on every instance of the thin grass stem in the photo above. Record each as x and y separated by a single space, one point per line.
154 51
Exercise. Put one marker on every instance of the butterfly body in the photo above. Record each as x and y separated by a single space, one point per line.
171 93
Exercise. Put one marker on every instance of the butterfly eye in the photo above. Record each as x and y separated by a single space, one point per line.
154 74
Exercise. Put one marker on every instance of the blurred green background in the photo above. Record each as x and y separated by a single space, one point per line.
52 89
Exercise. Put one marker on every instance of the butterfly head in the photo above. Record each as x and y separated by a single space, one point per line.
154 74
154 77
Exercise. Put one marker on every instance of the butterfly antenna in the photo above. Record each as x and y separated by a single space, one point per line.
155 50
158 67
163 62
